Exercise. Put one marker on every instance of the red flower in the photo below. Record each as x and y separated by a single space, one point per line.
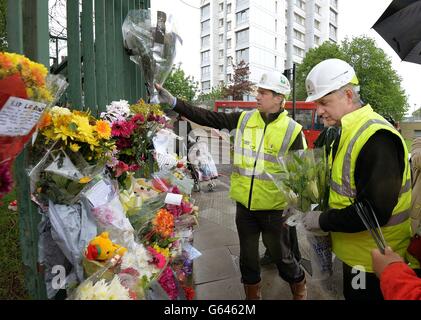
122 128
120 168
138 119
188 292
123 143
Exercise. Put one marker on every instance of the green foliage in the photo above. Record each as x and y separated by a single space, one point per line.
327 50
3 31
181 86
379 82
12 270
217 93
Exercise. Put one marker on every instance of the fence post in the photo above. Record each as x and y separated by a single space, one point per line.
35 42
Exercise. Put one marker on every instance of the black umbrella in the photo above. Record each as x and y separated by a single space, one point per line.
400 26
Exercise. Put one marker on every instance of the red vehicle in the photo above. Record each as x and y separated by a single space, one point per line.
305 114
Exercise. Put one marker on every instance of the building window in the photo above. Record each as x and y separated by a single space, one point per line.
229 61
205 72
299 19
275 64
206 85
300 4
221 23
205 57
242 36
205 12
205 26
334 3
221 68
205 42
229 8
276 25
220 53
229 77
299 35
228 25
317 8
220 38
242 55
221 7
229 44
317 24
316 40
332 32
242 17
333 17
276 6
276 43
299 52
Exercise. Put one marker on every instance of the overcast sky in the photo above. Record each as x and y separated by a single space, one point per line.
356 18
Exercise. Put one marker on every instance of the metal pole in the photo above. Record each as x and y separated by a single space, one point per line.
293 91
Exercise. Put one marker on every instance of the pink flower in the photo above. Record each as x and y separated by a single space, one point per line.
120 168
174 189
134 167
167 282
6 181
157 258
175 210
122 128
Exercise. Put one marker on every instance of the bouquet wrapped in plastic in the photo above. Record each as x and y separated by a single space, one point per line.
74 147
303 180
25 92
152 47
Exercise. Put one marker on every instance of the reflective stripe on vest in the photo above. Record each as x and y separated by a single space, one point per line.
346 190
247 172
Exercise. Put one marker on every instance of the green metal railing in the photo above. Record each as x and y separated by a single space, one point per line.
99 71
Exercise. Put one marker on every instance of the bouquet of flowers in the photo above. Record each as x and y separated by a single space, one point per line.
303 180
133 132
81 146
25 91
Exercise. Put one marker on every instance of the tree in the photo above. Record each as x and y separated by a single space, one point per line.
379 82
240 85
181 86
3 25
217 93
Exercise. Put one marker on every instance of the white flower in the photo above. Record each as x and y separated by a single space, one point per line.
117 110
102 290
138 259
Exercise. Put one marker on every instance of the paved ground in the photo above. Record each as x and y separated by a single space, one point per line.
216 272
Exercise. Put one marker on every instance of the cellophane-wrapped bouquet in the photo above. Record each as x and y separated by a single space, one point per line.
26 90
303 180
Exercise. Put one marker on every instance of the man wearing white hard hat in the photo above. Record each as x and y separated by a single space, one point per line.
370 179
260 137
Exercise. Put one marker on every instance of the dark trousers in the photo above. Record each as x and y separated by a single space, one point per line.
276 238
360 285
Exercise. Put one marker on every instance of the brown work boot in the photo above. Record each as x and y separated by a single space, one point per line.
299 290
253 291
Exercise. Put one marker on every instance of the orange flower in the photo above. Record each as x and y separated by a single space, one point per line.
45 121
164 223
103 129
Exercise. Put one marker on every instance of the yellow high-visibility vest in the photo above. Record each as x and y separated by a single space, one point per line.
354 249
256 149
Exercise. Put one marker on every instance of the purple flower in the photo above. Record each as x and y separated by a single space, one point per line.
6 181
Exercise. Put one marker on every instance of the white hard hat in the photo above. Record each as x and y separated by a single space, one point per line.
327 76
276 82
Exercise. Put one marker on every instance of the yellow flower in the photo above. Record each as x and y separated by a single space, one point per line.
74 147
85 180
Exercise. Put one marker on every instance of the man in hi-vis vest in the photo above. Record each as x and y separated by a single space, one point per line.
369 164
261 136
